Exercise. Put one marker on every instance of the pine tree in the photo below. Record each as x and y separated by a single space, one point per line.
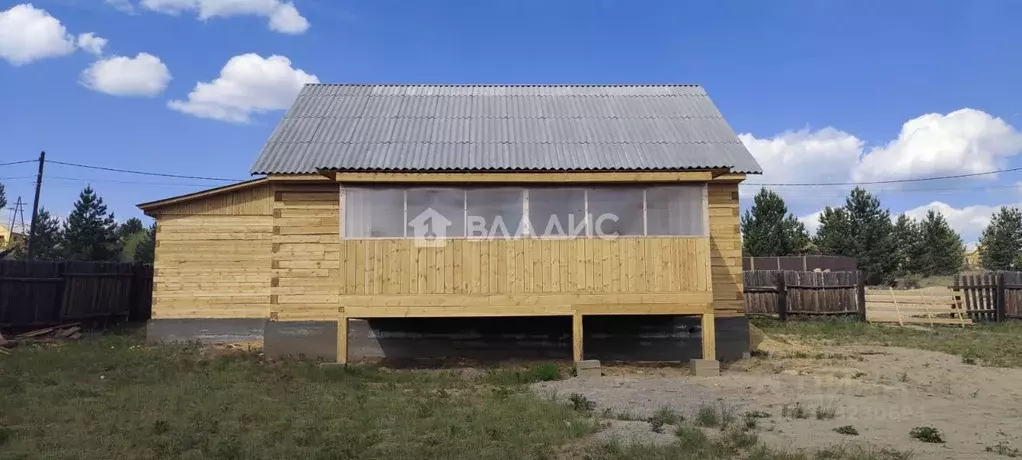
3 198
47 238
1001 241
769 230
945 252
908 246
130 227
130 235
871 230
834 237
145 251
90 233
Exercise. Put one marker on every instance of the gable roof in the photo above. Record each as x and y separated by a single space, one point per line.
425 128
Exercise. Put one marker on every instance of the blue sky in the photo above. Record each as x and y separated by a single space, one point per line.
821 91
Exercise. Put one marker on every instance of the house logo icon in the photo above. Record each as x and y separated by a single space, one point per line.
429 228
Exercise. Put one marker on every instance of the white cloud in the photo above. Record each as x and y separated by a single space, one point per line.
812 221
961 142
29 34
121 5
143 75
969 221
248 85
803 156
283 16
92 43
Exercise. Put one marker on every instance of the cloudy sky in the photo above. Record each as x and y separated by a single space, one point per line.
820 92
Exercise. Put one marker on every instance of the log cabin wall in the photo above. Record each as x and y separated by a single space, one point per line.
213 256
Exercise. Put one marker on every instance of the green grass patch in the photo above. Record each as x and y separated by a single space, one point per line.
927 434
114 397
993 344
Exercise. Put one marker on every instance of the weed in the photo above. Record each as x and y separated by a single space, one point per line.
974 393
825 413
656 425
751 419
1001 448
741 439
668 416
859 374
546 372
581 403
794 411
859 452
927 434
971 360
690 437
539 373
903 377
847 430
719 416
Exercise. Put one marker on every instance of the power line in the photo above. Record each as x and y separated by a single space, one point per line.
17 162
144 173
78 179
893 181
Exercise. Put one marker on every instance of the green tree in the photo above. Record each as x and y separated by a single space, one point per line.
47 238
3 197
944 252
871 230
1001 241
130 227
145 251
90 233
130 234
834 235
768 229
908 245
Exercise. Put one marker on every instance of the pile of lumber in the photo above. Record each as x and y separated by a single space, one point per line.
44 335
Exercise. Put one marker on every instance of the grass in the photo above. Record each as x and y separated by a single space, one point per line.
826 412
715 416
847 430
796 410
992 344
927 434
112 397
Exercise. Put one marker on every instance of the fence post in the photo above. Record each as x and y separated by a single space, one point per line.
782 296
999 298
860 291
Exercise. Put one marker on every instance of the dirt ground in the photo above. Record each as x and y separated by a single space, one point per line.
883 392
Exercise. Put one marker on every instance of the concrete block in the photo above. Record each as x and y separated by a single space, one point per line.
588 368
705 367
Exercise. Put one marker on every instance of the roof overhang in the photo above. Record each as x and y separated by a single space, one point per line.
524 176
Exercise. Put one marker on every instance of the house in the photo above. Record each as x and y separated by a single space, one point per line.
449 220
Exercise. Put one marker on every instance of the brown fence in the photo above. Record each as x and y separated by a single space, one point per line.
801 263
993 296
782 293
38 294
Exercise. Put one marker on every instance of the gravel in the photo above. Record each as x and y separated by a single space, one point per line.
638 399
629 432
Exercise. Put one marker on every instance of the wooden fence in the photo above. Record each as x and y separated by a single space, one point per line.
994 296
783 293
39 294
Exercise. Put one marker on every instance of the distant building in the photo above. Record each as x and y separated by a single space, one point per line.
8 237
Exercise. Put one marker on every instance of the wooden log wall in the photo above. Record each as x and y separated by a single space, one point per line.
725 249
306 276
213 256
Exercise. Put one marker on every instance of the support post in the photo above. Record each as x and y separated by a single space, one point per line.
782 296
342 337
35 206
709 326
999 298
576 336
860 289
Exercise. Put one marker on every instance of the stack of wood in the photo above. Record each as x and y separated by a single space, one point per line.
44 335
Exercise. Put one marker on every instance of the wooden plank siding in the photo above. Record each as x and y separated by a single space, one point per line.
725 249
276 247
213 256
306 262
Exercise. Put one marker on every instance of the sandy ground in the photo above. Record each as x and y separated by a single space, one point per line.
882 391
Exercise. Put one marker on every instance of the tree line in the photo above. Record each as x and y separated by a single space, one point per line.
886 249
90 233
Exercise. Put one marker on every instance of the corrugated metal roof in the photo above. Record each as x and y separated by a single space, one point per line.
502 127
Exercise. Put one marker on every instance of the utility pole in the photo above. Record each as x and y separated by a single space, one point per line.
35 204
